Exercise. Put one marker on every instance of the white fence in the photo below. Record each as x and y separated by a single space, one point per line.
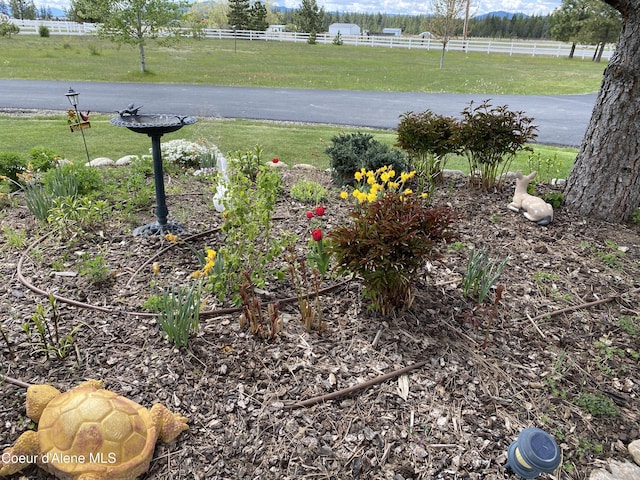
519 47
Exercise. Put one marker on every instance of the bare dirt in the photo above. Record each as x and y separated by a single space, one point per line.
563 334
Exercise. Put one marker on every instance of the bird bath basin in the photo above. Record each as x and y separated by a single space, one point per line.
154 125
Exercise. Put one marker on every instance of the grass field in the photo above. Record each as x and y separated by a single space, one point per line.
267 64
296 65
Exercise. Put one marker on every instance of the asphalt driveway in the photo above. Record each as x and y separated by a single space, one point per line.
561 119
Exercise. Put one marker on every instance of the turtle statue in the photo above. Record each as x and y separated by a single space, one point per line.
89 433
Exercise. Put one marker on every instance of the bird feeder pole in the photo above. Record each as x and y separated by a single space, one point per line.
72 96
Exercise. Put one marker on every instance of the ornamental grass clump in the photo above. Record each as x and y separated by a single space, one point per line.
391 234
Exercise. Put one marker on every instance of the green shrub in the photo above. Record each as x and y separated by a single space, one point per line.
71 180
386 243
490 137
12 164
307 191
43 31
43 159
351 152
428 139
8 28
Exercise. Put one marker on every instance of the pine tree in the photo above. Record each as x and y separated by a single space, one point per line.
258 17
309 17
239 14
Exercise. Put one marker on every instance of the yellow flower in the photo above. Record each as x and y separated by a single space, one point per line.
382 169
358 176
155 268
211 255
393 185
385 177
408 191
371 197
375 188
371 179
424 195
344 195
171 237
196 274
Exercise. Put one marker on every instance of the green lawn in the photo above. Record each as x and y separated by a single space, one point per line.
295 65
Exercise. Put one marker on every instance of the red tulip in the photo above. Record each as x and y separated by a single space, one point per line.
275 160
309 214
319 211
317 234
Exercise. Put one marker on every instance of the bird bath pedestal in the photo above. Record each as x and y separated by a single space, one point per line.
154 125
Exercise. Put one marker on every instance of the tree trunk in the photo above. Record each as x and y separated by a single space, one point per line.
444 46
143 61
604 182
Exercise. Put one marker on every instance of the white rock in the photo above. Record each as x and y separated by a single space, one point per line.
100 162
303 166
634 450
126 160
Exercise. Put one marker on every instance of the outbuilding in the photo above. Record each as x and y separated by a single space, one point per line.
344 29
396 32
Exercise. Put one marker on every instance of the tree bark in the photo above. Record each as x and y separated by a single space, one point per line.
604 182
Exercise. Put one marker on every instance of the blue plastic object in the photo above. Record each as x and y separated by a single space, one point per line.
533 453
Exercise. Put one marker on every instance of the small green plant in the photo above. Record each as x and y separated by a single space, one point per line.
547 168
351 152
555 199
337 40
43 31
15 239
308 191
5 338
313 36
153 304
79 214
612 254
179 313
95 269
457 246
596 404
247 162
481 274
490 137
587 448
46 322
631 325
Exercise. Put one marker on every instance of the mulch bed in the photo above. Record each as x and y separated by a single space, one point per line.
557 336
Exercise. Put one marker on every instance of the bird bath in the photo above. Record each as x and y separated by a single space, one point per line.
154 125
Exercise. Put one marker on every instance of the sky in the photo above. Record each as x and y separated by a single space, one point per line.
408 7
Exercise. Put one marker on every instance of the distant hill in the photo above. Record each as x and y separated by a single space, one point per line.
499 14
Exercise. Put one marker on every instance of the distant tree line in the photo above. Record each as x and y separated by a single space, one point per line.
517 26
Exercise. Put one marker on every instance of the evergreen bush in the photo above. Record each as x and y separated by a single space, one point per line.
351 152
